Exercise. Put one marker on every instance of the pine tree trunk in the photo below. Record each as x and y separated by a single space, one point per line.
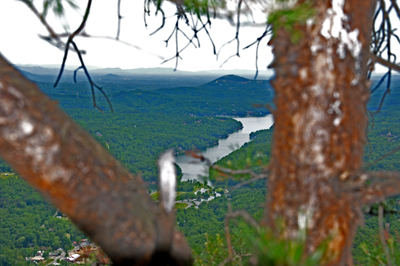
321 92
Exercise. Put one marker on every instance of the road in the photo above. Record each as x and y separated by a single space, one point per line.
62 255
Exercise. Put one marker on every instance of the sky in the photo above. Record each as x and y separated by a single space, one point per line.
21 45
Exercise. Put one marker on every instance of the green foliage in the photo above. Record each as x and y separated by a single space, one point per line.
216 251
273 251
202 7
144 124
155 196
197 7
375 254
27 223
57 7
289 19
180 206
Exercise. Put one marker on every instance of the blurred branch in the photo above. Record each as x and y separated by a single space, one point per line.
372 187
233 172
382 157
382 235
246 217
119 19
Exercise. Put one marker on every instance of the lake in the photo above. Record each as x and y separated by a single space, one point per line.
235 140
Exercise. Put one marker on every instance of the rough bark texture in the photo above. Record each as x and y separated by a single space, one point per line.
81 178
320 128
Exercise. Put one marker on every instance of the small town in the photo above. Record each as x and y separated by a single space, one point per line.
82 253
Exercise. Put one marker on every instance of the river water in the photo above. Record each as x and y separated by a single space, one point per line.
235 140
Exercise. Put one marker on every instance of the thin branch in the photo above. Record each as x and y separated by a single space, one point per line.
387 91
384 62
267 31
119 19
71 37
71 42
190 40
239 172
382 235
41 18
76 71
227 234
92 84
249 181
247 217
85 35
232 215
396 7
235 38
381 158
162 23
379 83
374 186
208 34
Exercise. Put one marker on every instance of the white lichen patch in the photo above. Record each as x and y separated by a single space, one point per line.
310 22
167 178
305 218
336 26
315 46
303 73
336 121
335 108
27 127
59 173
317 89
15 92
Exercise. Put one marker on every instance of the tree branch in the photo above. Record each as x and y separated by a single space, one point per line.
382 235
382 157
119 20
384 62
82 179
373 187
70 38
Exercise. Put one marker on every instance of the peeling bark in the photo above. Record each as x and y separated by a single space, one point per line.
320 126
82 179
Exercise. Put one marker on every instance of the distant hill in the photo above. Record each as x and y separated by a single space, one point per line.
228 95
224 87
159 71
230 78
142 78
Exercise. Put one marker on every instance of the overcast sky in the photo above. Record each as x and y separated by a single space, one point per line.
21 45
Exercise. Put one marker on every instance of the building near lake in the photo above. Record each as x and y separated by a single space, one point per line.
73 257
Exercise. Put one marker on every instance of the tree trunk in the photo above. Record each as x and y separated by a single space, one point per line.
82 179
321 93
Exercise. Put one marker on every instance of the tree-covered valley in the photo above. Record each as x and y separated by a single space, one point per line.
147 122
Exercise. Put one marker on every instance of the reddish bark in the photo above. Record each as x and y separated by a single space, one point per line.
320 127
81 178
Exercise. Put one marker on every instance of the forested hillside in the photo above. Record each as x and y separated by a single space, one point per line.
145 123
